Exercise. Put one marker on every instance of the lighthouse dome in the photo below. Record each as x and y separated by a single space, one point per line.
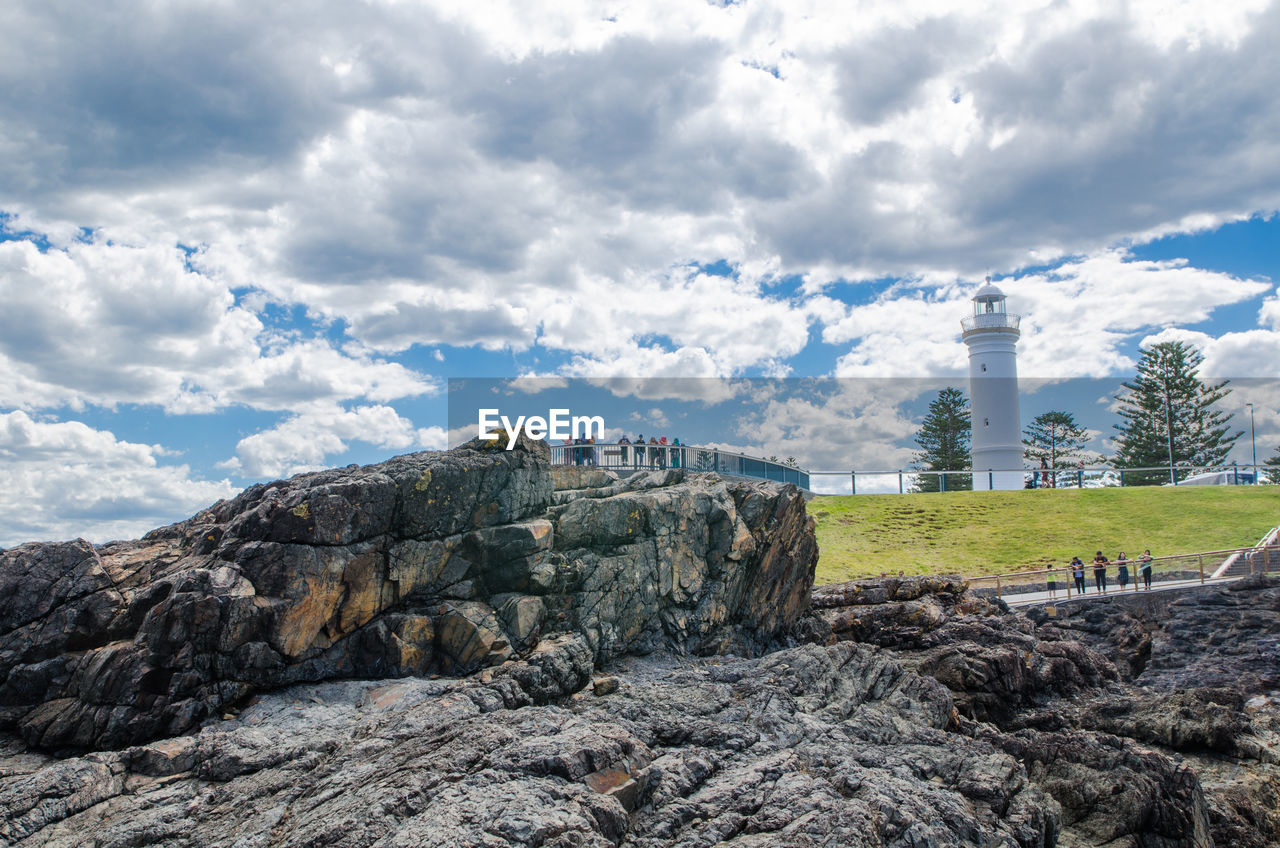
988 292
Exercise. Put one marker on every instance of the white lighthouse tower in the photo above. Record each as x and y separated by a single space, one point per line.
991 334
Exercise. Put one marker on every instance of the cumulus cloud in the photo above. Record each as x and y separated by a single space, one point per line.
1076 320
302 442
109 324
1249 355
66 479
1270 312
446 175
555 180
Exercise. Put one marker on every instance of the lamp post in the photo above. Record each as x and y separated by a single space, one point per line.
1168 423
1253 442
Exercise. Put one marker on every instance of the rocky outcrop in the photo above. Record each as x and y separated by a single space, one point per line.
1145 728
834 745
476 649
427 563
994 661
1239 621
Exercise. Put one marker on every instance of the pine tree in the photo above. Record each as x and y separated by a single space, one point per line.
1055 438
1168 395
944 437
1271 468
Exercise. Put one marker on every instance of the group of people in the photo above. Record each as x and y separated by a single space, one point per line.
655 452
1142 566
656 448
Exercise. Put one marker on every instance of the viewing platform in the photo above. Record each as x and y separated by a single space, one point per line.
622 458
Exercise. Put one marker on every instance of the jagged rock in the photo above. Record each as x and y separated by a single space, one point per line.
1083 698
992 660
1110 793
427 563
480 592
808 746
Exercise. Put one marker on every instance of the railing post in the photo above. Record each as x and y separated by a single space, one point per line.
899 482
991 480
1122 478
853 482
1202 568
997 585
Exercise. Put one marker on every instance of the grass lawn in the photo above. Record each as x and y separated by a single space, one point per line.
998 532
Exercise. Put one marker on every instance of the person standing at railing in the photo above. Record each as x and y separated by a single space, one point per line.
1145 569
639 450
675 452
653 451
1100 563
1077 573
1122 571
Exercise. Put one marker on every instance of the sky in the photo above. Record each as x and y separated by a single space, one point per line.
241 240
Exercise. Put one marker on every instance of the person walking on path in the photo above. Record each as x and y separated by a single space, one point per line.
1122 572
1100 564
1077 573
1145 569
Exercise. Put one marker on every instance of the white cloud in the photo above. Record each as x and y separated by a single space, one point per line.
546 178
837 426
1076 320
302 442
109 324
454 175
1270 311
1249 355
66 479
651 418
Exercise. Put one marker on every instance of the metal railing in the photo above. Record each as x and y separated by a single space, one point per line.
1059 583
990 321
1075 477
638 457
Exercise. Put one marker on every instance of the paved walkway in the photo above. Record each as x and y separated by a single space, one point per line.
1059 596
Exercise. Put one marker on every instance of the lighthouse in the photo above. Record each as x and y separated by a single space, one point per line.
991 335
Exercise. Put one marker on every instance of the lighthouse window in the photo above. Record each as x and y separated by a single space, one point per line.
986 422
984 366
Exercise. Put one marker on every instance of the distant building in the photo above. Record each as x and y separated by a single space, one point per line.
991 335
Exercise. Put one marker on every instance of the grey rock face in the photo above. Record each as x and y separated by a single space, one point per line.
994 662
426 563
1145 729
814 745
559 658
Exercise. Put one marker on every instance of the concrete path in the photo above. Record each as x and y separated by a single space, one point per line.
1059 596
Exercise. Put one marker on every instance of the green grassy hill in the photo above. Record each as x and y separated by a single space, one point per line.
995 532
